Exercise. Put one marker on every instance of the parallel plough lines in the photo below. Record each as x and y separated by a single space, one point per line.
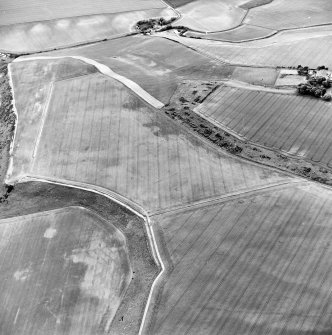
253 267
279 54
98 133
294 124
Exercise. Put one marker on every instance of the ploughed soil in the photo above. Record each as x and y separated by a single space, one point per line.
191 93
32 197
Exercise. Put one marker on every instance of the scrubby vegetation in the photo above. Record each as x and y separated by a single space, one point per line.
316 85
157 24
7 120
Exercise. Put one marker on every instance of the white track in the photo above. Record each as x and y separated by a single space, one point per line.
102 68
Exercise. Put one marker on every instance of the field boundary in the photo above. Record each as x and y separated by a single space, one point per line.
256 144
134 208
229 197
105 70
11 148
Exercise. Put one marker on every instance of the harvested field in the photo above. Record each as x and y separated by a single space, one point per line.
62 272
258 53
242 33
45 35
156 64
31 197
20 11
98 133
294 124
258 264
210 15
284 14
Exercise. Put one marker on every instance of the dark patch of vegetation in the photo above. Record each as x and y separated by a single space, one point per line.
315 85
7 119
4 197
150 25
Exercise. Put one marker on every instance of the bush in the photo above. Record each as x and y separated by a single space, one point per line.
327 97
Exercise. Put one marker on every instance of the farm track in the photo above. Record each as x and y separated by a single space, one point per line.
259 118
220 291
105 70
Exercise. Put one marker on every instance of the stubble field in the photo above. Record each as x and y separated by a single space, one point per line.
294 124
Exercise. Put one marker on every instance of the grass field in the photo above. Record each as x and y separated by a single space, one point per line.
62 272
257 265
294 124
282 14
255 76
45 35
20 11
258 53
97 132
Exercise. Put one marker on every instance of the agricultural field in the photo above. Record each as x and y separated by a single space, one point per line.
96 132
210 15
158 65
21 11
258 264
165 179
293 124
46 35
62 272
284 14
34 197
256 53
242 33
33 85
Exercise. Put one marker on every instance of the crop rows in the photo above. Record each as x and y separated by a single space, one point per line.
312 52
253 266
294 124
98 133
